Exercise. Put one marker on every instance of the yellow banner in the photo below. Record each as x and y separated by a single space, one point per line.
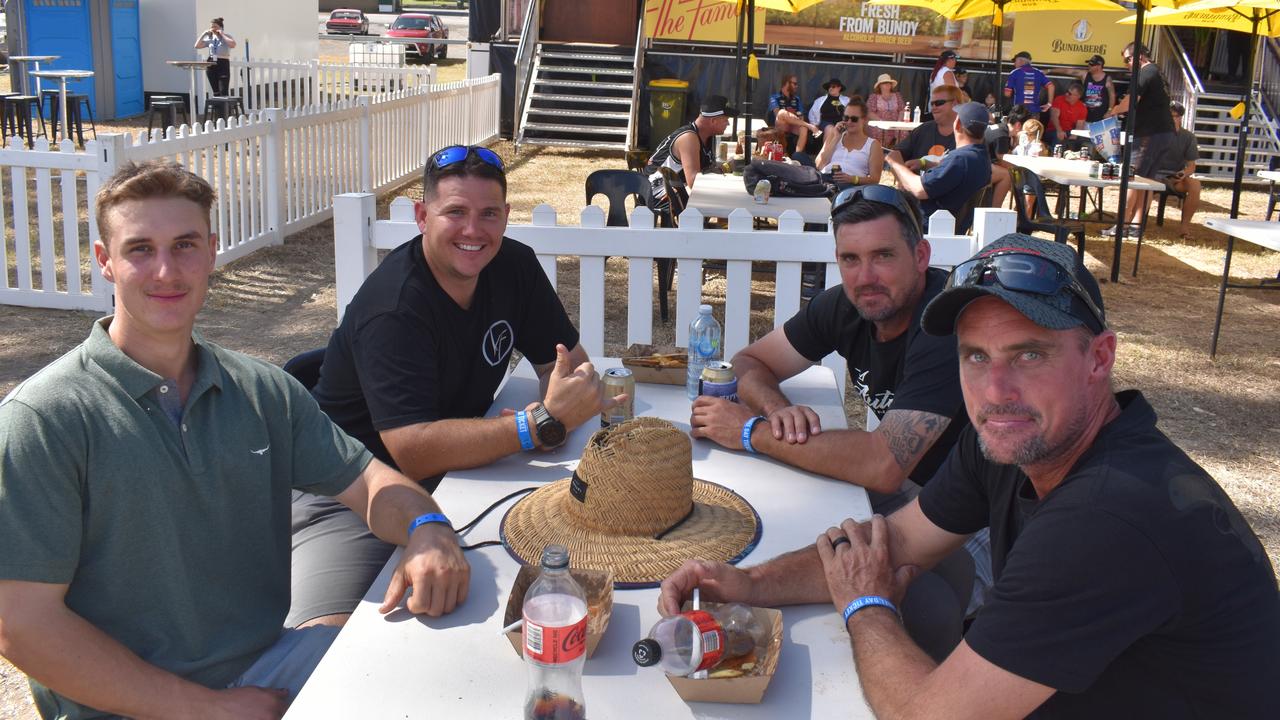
1069 38
696 20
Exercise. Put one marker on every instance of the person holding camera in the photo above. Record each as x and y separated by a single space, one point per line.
848 154
1179 166
219 42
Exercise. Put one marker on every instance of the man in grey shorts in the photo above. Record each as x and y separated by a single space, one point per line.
412 368
144 487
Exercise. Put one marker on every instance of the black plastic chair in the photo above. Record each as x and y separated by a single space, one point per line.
1034 216
305 367
617 185
981 198
19 115
1164 198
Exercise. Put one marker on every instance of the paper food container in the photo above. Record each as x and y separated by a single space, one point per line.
657 364
598 586
748 689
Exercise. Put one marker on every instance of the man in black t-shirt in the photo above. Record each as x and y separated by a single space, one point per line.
1127 583
1152 126
415 362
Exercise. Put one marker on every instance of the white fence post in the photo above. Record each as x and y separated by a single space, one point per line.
273 175
990 224
366 143
109 149
354 255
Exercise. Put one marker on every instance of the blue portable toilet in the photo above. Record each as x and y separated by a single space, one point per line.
97 35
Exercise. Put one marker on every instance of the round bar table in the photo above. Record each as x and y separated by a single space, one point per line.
192 66
62 76
35 61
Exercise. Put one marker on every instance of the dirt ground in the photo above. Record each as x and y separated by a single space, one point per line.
280 301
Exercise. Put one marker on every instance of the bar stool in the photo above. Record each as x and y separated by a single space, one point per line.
166 109
17 116
218 106
75 117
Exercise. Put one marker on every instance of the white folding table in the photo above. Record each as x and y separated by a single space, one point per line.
1259 232
718 195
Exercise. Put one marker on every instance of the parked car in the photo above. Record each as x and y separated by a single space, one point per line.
347 21
420 25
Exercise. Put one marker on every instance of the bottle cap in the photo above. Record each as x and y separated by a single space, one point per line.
647 652
704 309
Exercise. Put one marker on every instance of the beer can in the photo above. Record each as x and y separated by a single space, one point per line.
1058 150
617 381
719 380
835 168
1095 170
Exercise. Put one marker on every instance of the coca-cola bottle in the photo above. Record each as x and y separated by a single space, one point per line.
697 640
555 641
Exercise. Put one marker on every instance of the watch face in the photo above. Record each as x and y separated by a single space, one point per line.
551 432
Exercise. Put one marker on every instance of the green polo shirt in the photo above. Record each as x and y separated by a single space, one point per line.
174 538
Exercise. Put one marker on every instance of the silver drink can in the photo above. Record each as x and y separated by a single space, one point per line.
719 380
617 381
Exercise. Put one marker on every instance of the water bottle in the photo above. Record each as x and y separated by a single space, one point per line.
915 114
704 345
699 640
555 641
762 190
906 112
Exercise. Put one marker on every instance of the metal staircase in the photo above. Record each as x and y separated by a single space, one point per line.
579 96
1218 135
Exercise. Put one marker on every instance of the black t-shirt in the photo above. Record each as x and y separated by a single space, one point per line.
1135 587
1153 103
1095 97
406 353
914 371
925 140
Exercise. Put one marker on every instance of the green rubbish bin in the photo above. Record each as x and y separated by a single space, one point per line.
666 108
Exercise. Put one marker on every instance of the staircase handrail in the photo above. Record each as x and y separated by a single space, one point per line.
1179 73
637 65
1268 93
525 52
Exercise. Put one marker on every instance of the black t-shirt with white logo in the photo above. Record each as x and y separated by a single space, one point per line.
1135 587
406 353
914 371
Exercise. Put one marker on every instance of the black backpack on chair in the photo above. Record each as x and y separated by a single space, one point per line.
787 180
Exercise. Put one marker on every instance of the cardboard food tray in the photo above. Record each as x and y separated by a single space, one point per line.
748 689
596 584
675 375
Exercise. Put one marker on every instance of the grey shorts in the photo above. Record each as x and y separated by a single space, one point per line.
1150 152
335 558
287 664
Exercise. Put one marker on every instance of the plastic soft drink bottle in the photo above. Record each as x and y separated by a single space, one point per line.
704 345
906 112
762 190
915 114
555 641
699 640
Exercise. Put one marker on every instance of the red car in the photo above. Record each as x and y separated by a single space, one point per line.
347 21
420 25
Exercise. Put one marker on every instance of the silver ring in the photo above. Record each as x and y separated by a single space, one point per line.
842 540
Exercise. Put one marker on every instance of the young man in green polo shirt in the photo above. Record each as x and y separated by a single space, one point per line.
145 482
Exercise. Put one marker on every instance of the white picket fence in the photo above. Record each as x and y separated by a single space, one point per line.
275 172
293 83
359 235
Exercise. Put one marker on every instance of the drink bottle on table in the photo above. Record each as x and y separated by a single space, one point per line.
704 344
555 641
698 640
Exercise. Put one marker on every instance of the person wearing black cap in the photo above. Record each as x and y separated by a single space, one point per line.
688 151
961 173
826 110
1026 83
944 71
1127 582
1099 91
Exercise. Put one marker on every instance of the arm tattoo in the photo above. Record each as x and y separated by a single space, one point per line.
910 434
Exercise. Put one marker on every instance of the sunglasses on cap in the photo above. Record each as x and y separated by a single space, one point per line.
881 194
459 153
1023 272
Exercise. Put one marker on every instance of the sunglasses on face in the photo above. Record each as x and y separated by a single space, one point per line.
939 103
459 153
852 118
881 194
1023 272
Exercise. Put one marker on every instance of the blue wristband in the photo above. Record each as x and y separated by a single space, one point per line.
867 601
522 428
429 518
747 427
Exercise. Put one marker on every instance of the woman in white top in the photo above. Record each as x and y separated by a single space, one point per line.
846 144
219 43
944 71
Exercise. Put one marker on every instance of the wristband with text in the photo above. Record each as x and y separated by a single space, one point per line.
522 428
429 518
747 427
868 601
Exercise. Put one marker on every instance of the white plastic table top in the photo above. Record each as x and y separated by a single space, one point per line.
718 195
1259 232
459 666
1272 175
895 124
1076 172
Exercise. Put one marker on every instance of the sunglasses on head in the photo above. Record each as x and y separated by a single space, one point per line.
881 194
459 153
939 103
1023 272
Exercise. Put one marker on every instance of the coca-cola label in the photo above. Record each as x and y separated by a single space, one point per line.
555 644
712 638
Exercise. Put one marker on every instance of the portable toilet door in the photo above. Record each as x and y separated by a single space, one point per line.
123 77
61 29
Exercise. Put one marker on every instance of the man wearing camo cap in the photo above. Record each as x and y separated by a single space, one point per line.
1127 584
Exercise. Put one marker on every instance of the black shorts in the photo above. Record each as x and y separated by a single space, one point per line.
1149 153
